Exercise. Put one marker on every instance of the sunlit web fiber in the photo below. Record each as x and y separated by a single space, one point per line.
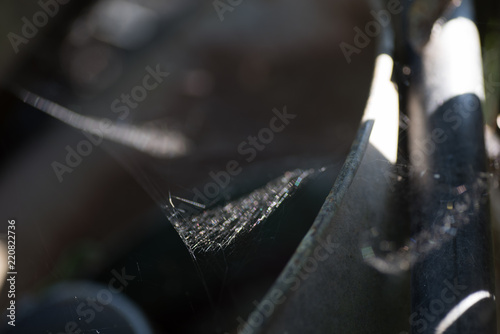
218 227
160 144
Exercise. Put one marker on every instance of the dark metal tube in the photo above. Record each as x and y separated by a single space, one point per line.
452 283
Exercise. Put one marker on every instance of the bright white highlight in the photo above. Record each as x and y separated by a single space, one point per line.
461 308
383 107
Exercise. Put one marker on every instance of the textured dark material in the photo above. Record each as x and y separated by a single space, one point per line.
328 286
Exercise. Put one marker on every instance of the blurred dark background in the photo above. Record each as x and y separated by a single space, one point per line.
226 76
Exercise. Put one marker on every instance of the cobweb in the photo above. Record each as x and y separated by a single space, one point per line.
212 229
219 227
